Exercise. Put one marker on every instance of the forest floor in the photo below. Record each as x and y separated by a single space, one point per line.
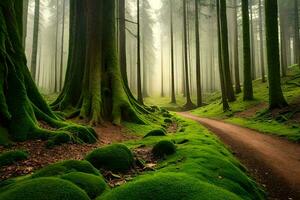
274 162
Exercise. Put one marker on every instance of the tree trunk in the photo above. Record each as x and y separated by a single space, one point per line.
35 39
236 51
225 53
296 34
173 98
252 47
262 54
276 98
221 68
122 40
283 43
189 104
139 79
248 89
21 105
102 94
198 61
62 47
56 50
25 17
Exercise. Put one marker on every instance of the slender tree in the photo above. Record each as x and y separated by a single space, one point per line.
25 16
262 54
276 98
122 40
162 67
198 61
56 67
252 41
35 38
62 46
296 33
139 79
189 104
173 98
236 51
248 89
225 52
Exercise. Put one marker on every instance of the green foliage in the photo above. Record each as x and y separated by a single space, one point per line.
158 132
93 185
44 189
65 167
11 157
168 186
116 157
163 148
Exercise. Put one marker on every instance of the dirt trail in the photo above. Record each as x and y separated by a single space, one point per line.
274 162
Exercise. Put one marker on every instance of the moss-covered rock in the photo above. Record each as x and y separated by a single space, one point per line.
59 138
93 185
116 157
65 167
44 189
167 115
158 132
163 148
11 157
168 121
168 186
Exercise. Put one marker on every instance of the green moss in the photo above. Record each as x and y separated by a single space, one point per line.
168 121
59 138
168 186
65 167
163 148
44 189
116 157
11 157
89 137
158 132
4 137
93 185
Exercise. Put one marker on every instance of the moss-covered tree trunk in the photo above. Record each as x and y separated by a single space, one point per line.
94 88
248 89
198 61
21 105
276 99
35 38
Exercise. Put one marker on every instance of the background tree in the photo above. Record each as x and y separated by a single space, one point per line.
35 38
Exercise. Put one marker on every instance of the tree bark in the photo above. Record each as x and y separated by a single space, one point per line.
173 98
248 89
139 79
25 17
296 33
198 61
262 54
62 47
236 52
276 98
35 39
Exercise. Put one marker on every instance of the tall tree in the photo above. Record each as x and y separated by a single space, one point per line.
221 69
62 46
248 89
36 24
198 61
139 78
236 50
101 94
122 40
296 33
25 16
276 98
21 105
262 54
173 98
189 104
225 52
252 41
56 87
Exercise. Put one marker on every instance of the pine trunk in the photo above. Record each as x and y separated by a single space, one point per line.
35 39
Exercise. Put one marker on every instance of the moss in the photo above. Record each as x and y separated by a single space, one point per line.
168 186
93 185
116 157
90 137
59 138
4 137
158 132
163 148
167 115
168 121
65 167
44 189
11 157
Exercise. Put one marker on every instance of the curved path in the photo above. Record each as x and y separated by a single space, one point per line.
274 162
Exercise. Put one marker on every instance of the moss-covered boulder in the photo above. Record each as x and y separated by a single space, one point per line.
168 186
163 148
158 132
65 167
168 121
167 115
93 185
116 157
44 189
11 157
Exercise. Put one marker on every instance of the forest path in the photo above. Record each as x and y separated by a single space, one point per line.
274 162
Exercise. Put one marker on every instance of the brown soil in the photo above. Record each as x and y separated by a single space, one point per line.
41 156
274 162
252 111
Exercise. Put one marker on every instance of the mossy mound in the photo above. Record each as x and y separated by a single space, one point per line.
158 132
90 137
11 157
167 115
116 157
168 186
44 189
4 138
65 167
59 138
163 148
168 121
93 185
